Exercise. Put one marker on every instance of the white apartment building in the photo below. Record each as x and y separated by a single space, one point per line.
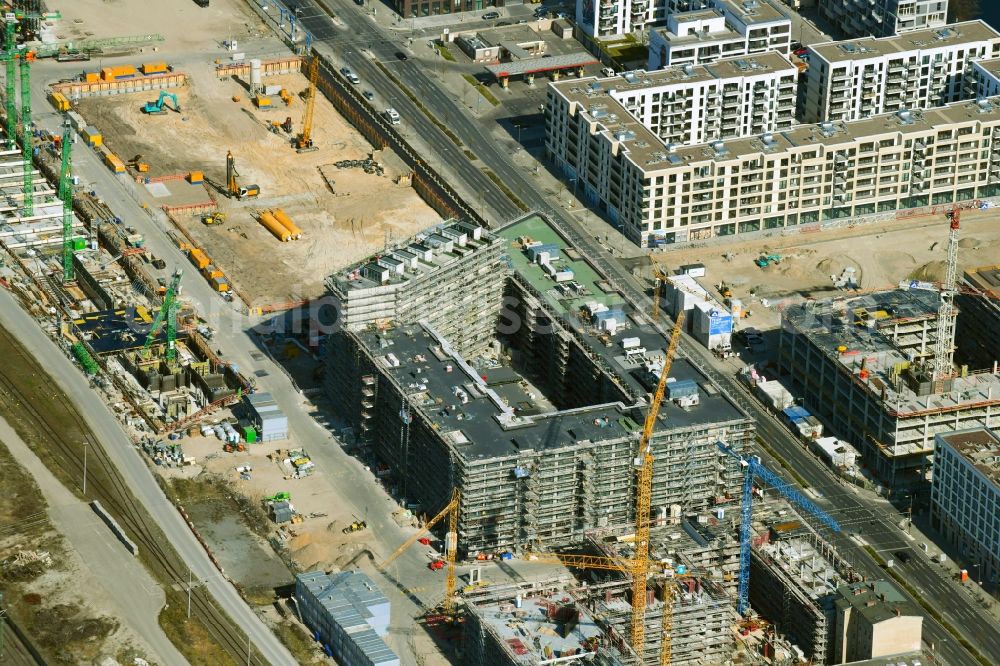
985 78
691 104
883 18
806 174
965 499
730 29
860 78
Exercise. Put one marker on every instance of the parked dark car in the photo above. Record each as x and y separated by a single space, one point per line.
402 56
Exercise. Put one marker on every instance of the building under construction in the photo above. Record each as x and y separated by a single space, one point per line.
864 365
535 412
978 344
537 623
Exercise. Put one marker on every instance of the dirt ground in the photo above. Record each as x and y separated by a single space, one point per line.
86 19
315 544
881 255
341 224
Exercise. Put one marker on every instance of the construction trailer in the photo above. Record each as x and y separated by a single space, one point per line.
526 401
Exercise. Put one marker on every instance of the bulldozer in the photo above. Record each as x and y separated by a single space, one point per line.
356 526
279 497
214 218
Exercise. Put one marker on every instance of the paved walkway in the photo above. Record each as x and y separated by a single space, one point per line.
113 581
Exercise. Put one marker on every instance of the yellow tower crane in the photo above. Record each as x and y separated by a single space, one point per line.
450 548
639 566
644 489
304 142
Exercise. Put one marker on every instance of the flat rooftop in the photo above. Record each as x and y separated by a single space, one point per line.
865 48
857 324
876 600
981 447
479 423
991 65
591 90
726 34
567 302
753 12
649 152
544 628
424 254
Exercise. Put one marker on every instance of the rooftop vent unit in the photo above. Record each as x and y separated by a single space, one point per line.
984 106
719 147
944 33
631 77
905 116
624 135
827 128
750 6
688 70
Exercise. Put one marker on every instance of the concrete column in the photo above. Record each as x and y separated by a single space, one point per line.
556 75
504 81
579 72
530 78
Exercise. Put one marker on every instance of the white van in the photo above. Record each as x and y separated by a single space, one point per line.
392 115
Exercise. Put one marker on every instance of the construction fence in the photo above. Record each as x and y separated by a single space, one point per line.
80 89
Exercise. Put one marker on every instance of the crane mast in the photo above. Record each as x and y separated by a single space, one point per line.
305 143
10 100
753 468
166 316
946 310
66 195
644 488
26 141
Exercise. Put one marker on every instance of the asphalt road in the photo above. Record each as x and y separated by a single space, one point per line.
356 40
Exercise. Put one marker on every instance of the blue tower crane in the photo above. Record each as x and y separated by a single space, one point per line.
752 467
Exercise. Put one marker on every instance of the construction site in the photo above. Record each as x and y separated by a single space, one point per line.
236 145
541 452
525 428
867 366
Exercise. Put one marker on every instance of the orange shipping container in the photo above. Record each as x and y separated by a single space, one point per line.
199 258
107 74
211 271
123 70
154 67
93 77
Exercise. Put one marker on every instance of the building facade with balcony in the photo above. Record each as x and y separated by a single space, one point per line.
965 499
420 8
802 175
883 18
690 104
855 79
728 30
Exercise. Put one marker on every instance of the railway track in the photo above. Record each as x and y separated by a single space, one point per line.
104 482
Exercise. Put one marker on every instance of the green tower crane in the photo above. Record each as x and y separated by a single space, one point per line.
10 55
27 145
167 315
66 195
